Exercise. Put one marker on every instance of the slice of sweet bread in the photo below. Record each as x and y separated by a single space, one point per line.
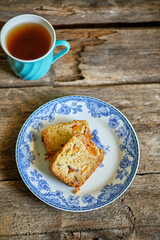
77 160
56 136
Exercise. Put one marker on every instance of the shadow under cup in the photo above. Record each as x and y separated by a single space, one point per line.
37 68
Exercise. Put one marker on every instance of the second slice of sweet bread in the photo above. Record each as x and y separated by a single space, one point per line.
56 136
77 160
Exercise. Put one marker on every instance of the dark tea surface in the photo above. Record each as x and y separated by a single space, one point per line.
28 41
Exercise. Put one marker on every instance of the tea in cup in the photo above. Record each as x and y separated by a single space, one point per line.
29 41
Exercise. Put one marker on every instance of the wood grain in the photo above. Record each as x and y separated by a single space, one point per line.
81 12
98 57
146 233
114 56
139 103
119 219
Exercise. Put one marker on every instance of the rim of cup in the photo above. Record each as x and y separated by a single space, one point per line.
26 18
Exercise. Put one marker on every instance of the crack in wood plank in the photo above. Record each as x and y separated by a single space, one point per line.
119 25
96 42
78 56
132 218
52 10
78 59
147 173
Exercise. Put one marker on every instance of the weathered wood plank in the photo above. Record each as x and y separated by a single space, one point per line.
99 57
47 236
114 57
139 103
82 12
142 233
136 210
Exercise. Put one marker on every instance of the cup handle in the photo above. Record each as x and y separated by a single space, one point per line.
60 54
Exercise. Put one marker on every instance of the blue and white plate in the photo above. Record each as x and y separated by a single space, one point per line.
111 131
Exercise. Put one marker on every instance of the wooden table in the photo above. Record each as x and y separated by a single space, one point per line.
114 56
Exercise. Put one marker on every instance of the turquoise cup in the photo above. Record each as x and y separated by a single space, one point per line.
37 68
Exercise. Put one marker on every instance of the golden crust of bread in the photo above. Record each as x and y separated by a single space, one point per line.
77 160
56 136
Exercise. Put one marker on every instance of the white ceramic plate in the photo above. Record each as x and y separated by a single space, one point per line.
111 131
